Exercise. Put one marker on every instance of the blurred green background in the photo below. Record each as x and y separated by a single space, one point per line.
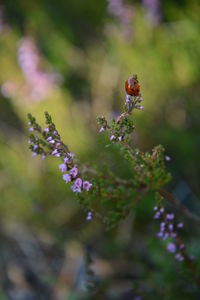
72 58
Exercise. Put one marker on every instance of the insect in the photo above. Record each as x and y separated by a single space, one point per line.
132 86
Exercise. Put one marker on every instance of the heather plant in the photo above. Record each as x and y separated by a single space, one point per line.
110 198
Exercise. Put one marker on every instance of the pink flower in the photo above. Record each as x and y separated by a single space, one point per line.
101 129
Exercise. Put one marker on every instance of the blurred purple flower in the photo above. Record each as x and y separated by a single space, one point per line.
38 84
76 187
123 13
153 9
66 178
89 216
87 185
180 225
167 158
73 172
112 137
46 129
157 215
171 247
170 217
179 257
63 167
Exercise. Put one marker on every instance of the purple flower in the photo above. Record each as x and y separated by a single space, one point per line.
179 257
180 225
170 217
39 82
46 129
89 216
171 227
128 98
101 129
35 147
68 157
87 185
73 172
52 142
157 215
66 178
162 226
31 129
63 167
171 247
112 137
182 246
58 145
155 208
76 187
166 235
43 156
160 234
167 158
162 210
49 139
54 152
153 8
34 154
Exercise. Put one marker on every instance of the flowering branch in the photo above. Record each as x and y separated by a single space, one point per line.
109 197
50 143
